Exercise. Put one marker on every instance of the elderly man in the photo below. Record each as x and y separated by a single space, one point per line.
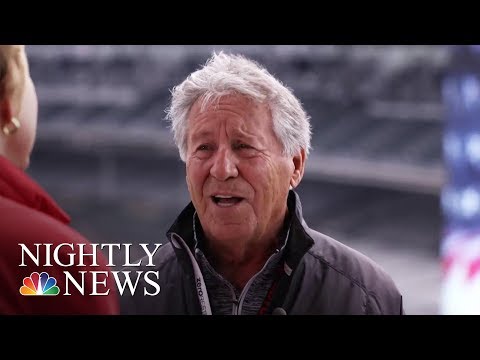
242 246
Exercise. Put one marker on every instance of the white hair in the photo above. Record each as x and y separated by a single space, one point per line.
225 74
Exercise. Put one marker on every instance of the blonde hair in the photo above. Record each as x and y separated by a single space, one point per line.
13 68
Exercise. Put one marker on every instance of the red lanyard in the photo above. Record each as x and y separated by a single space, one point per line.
266 307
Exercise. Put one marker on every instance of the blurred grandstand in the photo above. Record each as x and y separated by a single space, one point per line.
373 180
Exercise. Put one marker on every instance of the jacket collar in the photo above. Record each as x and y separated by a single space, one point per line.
298 241
183 225
17 186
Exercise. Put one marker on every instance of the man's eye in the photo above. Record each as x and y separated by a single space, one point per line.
244 146
203 148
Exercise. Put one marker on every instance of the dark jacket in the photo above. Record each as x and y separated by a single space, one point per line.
326 276
29 216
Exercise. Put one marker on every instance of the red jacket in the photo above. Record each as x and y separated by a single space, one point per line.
28 215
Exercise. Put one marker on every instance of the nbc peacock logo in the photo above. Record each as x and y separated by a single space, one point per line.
39 284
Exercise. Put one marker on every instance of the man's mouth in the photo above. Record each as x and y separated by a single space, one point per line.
226 200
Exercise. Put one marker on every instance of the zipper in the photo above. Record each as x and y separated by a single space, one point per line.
244 292
202 290
235 302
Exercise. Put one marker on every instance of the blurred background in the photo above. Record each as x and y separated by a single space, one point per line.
373 181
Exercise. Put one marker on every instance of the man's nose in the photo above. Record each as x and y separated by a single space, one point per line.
224 165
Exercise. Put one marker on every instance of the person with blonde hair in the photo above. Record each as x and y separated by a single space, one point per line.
36 241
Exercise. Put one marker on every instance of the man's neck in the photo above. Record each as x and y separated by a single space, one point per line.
239 268
238 264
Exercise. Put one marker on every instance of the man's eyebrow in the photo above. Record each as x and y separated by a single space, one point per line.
237 135
201 135
245 136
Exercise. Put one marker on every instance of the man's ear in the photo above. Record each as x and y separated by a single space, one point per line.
299 168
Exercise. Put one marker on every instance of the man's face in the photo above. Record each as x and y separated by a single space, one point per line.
237 177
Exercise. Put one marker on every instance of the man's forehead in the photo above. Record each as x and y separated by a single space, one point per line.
246 116
208 132
208 104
